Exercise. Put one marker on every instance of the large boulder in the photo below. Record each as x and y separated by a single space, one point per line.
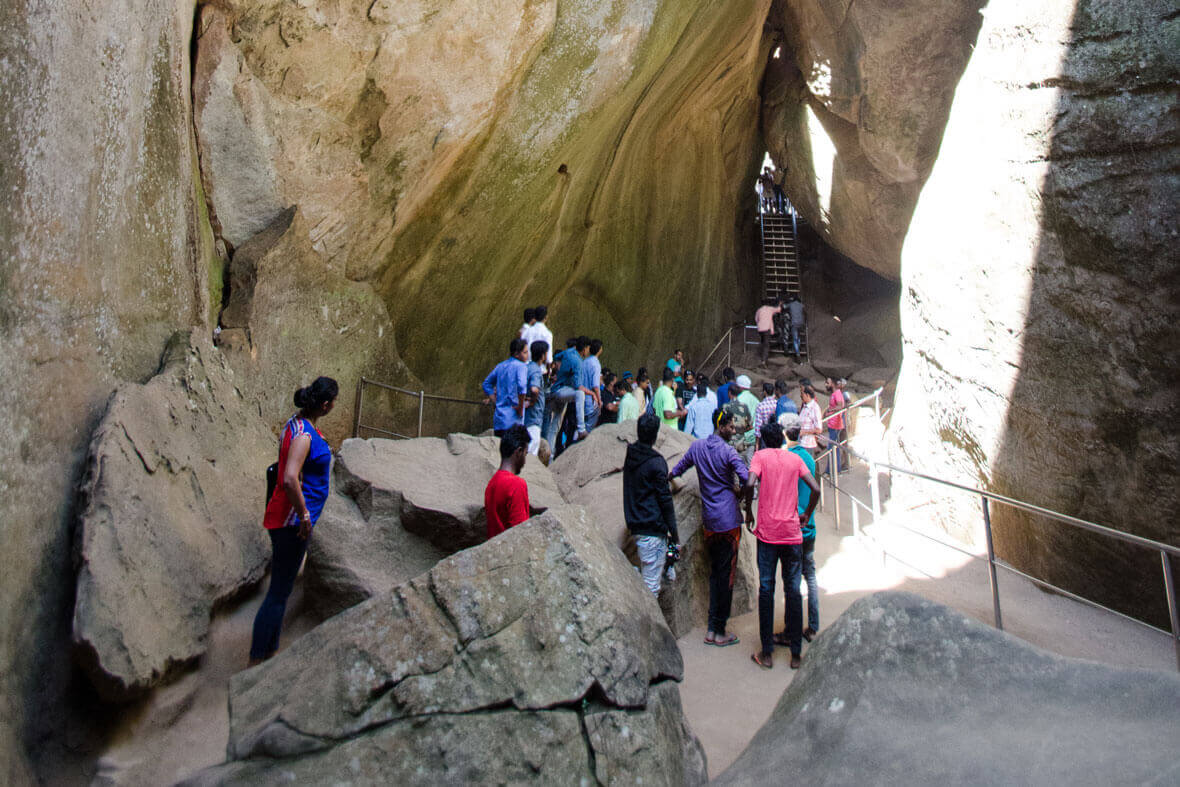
536 656
433 486
591 474
171 518
900 689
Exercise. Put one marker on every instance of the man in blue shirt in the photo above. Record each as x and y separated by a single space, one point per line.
509 383
592 382
723 391
785 403
534 414
567 387
790 424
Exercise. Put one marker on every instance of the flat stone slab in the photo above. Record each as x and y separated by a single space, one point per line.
903 690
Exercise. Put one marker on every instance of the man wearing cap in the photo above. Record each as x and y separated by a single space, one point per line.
750 402
742 414
718 466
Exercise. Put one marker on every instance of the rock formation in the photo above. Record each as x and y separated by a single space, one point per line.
591 475
536 656
902 689
171 518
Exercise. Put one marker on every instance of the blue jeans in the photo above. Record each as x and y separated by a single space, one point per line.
287 550
769 556
834 457
555 405
812 585
795 338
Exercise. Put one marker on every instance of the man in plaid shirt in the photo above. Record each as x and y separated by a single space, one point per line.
764 412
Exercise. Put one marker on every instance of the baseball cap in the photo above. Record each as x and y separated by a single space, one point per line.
788 421
743 381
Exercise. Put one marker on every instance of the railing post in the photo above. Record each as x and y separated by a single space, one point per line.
821 493
1173 612
834 473
855 519
356 412
991 564
874 490
877 406
421 408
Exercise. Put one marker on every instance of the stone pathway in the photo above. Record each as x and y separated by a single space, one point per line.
727 698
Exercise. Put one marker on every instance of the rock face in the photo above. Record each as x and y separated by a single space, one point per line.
903 689
1038 309
535 656
170 522
591 475
854 108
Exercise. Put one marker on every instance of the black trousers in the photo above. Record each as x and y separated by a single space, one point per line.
723 552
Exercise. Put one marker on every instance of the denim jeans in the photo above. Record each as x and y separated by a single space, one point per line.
287 550
555 405
795 338
834 458
812 585
769 556
653 551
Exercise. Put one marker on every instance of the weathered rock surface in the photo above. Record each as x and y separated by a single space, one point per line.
535 656
855 107
433 486
170 521
591 475
1039 315
900 689
354 557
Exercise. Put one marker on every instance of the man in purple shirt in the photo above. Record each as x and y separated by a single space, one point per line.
509 383
718 466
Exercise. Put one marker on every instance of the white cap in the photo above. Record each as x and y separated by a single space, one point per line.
743 381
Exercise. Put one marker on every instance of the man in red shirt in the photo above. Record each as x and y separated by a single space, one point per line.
780 537
506 498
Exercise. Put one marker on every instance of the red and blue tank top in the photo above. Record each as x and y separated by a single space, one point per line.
317 469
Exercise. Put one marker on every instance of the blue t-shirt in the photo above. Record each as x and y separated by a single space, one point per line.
785 405
509 380
592 372
805 492
722 395
570 373
535 413
314 476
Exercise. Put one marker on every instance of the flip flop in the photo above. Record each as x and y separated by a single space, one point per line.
754 657
725 643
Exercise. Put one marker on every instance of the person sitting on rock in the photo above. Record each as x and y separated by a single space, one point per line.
305 465
717 466
647 502
506 498
780 537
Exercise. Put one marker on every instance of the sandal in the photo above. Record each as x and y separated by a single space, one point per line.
763 661
809 633
730 639
781 639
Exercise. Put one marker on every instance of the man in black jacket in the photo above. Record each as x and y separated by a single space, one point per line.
647 502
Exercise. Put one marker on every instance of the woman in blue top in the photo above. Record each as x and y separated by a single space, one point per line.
305 464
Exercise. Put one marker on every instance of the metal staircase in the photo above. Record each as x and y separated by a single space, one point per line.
780 266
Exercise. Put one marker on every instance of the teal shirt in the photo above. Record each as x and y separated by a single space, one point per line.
805 491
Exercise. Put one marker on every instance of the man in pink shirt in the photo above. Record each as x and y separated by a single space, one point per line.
835 424
780 538
764 320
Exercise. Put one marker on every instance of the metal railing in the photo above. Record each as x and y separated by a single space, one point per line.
421 396
873 509
724 360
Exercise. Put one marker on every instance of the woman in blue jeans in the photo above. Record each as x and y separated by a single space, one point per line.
305 463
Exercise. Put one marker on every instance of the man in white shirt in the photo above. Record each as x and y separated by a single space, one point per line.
539 332
526 329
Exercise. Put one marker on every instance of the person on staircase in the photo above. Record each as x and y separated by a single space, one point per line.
764 321
797 319
647 502
718 466
305 467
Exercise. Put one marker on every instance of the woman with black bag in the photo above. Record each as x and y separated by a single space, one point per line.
304 468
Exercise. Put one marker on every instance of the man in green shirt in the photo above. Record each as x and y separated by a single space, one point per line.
665 404
751 402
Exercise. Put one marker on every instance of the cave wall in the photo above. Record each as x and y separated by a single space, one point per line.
1039 282
104 252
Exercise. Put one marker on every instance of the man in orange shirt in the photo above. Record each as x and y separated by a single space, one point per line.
506 498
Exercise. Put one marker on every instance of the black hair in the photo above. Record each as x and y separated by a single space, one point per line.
516 438
642 375
677 350
807 389
571 341
530 314
729 374
768 388
647 428
537 350
703 379
313 398
793 433
541 312
703 388
581 343
516 345
772 435
595 346
721 418
608 377
781 387
668 375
